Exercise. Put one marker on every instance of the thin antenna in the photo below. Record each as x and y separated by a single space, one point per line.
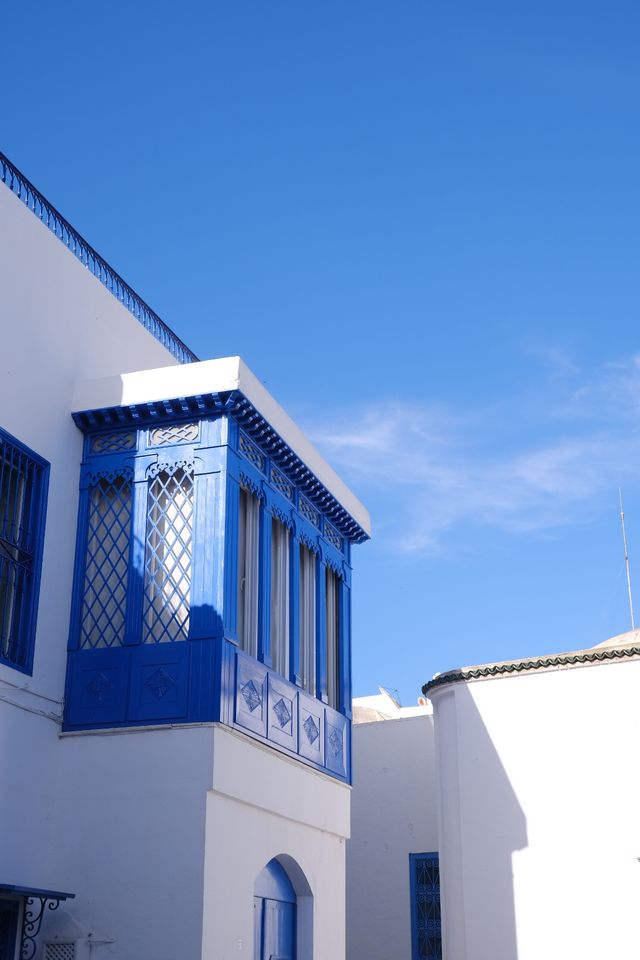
626 559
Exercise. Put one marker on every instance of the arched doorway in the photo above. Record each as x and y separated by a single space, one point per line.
274 915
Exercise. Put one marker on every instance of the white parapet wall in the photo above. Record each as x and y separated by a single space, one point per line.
539 800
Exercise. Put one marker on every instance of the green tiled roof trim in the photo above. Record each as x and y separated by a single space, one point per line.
525 666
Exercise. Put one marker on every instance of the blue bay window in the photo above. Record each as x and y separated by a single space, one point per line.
212 583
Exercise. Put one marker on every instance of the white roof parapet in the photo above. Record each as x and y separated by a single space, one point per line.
216 376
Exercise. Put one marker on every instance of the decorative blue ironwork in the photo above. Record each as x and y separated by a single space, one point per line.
168 554
23 487
84 252
107 563
425 906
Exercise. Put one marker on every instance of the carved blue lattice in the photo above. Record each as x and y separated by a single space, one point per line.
425 907
107 560
167 586
282 712
251 452
113 442
251 695
175 433
281 483
311 730
332 535
308 511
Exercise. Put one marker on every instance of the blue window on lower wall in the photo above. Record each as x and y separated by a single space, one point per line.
426 937
23 490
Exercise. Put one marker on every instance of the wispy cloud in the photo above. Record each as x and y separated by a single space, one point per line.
427 470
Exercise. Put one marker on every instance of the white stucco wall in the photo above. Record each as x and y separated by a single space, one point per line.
539 825
264 805
58 325
393 814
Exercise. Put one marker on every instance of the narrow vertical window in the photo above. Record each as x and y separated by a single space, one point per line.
248 571
426 934
107 563
280 597
23 478
333 638
308 619
167 587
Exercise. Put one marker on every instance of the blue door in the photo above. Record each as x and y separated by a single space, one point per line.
8 928
274 915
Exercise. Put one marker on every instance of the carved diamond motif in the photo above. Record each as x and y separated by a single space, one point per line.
311 730
160 683
251 695
99 687
282 712
335 743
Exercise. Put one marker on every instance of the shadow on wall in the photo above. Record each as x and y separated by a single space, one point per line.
479 834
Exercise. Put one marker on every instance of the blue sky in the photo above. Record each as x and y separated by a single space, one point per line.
418 223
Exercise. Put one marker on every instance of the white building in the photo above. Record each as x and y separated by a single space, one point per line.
505 824
175 571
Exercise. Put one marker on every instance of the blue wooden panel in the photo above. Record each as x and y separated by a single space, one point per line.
283 712
251 694
311 728
97 692
336 743
159 682
278 931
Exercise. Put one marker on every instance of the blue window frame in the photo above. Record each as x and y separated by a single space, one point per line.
426 937
23 490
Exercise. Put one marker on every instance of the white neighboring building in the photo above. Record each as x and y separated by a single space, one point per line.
539 793
394 825
175 690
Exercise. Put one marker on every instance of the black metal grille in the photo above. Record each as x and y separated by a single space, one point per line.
21 485
426 907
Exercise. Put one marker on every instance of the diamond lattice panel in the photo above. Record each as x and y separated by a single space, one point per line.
105 581
168 557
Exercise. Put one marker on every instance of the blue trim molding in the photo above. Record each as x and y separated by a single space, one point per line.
88 257
154 625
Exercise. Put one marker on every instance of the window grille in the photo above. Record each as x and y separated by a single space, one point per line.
59 951
168 556
333 637
107 563
23 482
425 906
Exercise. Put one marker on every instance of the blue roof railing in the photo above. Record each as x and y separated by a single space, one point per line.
47 213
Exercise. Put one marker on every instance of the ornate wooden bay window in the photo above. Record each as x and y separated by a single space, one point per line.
208 587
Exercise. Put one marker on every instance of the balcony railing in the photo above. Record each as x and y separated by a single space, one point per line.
33 199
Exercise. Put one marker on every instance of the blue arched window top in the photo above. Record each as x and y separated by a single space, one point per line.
273 883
